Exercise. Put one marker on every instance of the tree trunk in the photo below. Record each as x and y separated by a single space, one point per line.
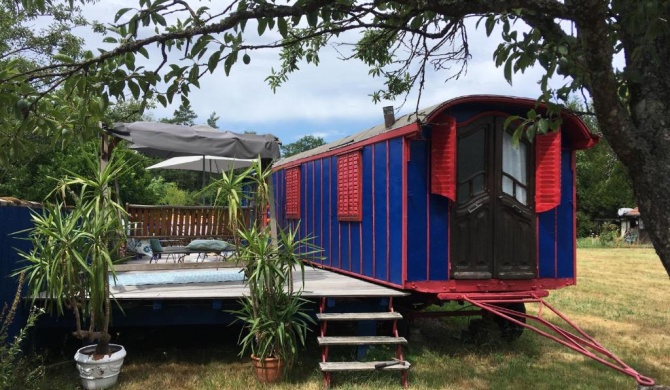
638 128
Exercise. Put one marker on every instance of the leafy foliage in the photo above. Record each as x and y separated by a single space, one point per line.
73 250
273 314
303 144
18 369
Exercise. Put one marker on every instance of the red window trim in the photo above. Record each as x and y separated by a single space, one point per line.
350 207
293 193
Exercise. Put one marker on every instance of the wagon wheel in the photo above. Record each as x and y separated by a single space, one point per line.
510 331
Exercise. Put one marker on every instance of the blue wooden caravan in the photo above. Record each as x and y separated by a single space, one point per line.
443 203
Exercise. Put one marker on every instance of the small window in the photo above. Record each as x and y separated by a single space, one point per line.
293 193
349 199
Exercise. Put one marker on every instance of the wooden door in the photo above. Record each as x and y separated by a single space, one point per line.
493 223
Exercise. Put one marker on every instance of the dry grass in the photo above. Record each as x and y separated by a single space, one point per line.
622 299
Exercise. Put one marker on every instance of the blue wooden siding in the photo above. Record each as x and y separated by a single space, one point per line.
417 206
566 219
371 247
556 229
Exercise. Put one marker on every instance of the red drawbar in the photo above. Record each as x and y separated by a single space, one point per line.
547 171
349 195
443 159
293 193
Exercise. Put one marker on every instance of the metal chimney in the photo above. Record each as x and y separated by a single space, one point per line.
389 116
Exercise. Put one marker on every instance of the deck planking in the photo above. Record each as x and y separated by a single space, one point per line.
318 283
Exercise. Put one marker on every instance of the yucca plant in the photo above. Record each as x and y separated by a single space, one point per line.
77 238
274 313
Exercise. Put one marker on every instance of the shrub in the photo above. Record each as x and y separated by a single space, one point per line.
18 370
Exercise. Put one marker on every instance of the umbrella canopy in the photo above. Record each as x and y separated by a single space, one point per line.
211 164
167 140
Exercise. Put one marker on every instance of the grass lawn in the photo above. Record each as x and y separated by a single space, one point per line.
622 298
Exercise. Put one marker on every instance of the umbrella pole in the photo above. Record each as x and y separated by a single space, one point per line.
203 180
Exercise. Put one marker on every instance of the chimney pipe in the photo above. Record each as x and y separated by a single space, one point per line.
389 116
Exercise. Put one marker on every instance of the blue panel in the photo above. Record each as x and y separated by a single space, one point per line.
380 223
396 214
546 231
439 237
566 229
14 219
355 242
324 240
333 259
317 230
345 246
417 198
366 224
308 213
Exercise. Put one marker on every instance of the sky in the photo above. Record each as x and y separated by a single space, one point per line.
331 100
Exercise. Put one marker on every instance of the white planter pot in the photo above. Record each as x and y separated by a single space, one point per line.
101 373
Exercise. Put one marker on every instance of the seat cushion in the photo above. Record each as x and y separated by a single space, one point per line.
208 245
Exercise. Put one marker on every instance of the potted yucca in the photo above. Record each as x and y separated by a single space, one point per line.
274 316
77 239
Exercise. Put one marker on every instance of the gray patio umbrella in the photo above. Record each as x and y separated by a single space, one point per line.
167 140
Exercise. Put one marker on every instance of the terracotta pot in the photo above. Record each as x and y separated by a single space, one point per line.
99 372
269 370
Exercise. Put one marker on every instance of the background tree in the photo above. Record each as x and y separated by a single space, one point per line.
213 118
575 39
603 185
184 115
305 143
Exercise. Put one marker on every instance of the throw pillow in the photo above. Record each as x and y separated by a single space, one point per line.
141 247
208 245
155 245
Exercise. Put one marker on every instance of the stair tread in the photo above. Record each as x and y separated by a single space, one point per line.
384 315
360 340
365 366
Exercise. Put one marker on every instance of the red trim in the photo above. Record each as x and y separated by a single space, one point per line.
580 137
409 129
314 196
330 210
448 259
321 204
488 285
293 193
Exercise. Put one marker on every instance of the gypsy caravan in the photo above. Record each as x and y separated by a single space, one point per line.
444 205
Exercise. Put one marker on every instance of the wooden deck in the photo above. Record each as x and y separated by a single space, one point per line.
318 283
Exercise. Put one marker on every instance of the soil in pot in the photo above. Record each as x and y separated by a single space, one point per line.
269 370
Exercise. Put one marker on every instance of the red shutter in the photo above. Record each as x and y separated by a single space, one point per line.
547 171
293 193
443 159
349 195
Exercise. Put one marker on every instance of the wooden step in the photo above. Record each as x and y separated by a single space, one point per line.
380 316
391 365
361 340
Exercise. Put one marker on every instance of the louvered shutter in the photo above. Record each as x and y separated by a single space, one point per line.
443 159
293 193
547 171
349 196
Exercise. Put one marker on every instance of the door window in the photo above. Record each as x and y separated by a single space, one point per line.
472 163
515 169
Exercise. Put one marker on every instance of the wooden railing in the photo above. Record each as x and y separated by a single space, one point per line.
180 223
